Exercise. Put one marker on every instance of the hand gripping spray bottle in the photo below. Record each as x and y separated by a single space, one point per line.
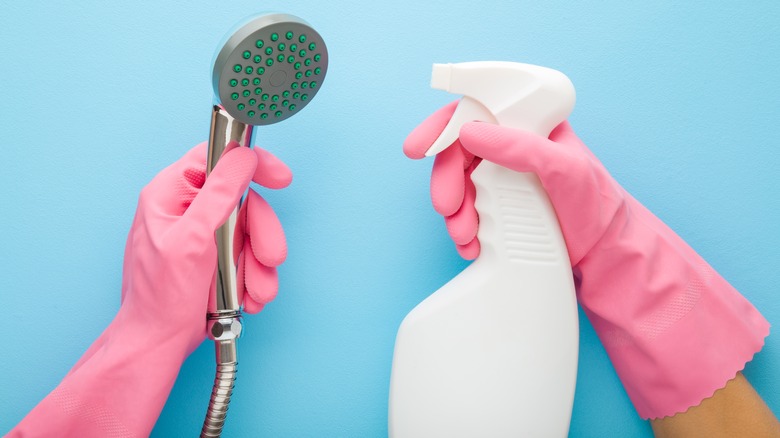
493 352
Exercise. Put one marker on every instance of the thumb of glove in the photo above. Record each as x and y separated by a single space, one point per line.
223 188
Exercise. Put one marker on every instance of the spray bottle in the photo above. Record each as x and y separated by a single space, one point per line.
494 351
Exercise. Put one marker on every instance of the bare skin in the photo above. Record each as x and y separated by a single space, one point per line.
734 411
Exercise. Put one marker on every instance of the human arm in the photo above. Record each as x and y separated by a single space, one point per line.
120 385
735 410
674 329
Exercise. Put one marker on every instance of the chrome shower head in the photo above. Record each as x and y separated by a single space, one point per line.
269 69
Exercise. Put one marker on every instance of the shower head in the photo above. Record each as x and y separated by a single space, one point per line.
269 69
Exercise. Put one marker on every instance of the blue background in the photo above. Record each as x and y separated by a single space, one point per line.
679 101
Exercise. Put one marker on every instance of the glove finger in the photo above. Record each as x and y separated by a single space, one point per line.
241 278
469 160
469 251
422 137
266 236
463 225
521 151
447 180
262 282
251 306
222 189
271 172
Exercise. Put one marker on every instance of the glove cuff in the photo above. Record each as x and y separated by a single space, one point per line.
674 329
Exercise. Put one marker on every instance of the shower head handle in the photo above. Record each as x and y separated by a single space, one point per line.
225 130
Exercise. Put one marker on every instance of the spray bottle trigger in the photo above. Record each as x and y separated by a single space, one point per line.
468 110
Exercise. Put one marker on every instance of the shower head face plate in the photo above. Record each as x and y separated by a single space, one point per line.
269 69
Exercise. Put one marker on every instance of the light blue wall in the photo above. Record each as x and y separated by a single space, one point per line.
679 101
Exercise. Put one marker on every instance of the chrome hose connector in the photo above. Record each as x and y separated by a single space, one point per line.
222 328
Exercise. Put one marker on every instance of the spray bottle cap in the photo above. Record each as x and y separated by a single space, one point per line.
511 94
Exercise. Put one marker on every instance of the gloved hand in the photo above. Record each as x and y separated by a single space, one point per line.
259 245
674 329
119 386
170 256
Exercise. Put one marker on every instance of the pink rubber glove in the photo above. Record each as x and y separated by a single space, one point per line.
119 386
674 329
259 229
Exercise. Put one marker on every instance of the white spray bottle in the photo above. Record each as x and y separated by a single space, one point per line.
493 353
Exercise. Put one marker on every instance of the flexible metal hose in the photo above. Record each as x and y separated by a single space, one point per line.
227 366
220 399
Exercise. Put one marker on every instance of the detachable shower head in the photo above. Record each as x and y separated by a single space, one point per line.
266 71
269 69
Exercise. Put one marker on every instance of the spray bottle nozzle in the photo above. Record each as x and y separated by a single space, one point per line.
440 76
521 96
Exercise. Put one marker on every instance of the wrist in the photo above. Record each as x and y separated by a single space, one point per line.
119 387
130 377
169 344
674 329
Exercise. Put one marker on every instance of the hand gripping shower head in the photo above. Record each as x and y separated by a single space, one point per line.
267 70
